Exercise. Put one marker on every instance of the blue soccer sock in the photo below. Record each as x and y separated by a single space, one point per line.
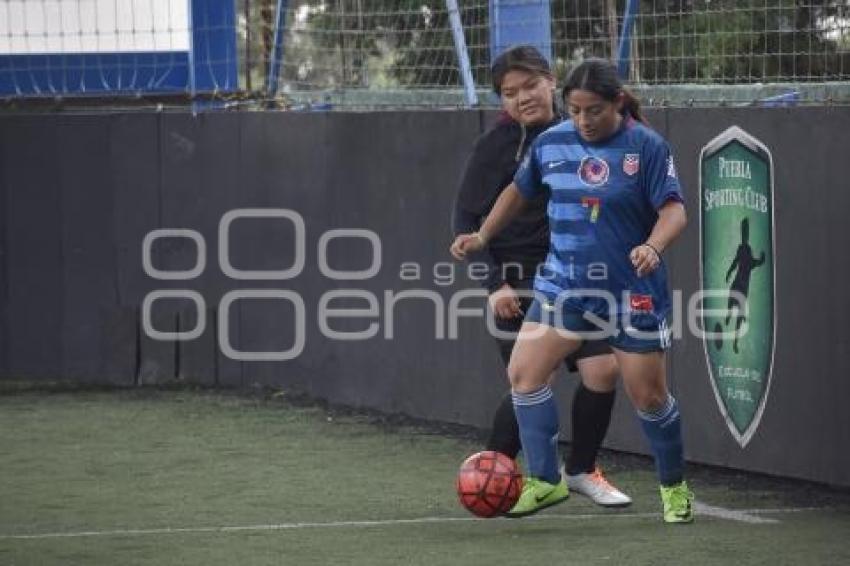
663 429
537 417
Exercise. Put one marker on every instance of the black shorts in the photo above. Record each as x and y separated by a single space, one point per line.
588 349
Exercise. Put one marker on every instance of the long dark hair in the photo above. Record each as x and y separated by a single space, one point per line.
600 77
519 58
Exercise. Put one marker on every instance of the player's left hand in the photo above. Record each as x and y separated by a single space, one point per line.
644 259
466 243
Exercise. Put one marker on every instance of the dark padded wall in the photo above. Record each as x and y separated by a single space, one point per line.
805 408
79 194
34 258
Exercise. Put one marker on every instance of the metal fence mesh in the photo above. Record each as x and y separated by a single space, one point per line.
717 50
372 52
401 53
715 41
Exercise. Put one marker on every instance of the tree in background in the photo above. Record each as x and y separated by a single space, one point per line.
401 43
364 43
395 44
716 41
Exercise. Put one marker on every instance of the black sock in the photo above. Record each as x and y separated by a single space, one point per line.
591 416
504 436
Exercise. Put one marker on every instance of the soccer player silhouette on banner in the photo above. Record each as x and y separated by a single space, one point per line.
745 262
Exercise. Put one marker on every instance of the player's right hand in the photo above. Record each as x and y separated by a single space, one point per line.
505 303
464 244
644 259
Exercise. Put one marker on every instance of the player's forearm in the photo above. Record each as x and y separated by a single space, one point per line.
671 222
508 205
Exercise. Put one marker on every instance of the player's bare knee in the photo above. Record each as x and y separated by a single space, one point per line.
599 373
514 374
523 379
650 400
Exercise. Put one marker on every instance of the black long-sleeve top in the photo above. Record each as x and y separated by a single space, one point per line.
489 170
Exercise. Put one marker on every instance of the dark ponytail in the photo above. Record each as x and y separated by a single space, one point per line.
631 106
600 77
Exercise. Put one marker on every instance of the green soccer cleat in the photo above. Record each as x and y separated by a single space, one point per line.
538 495
678 503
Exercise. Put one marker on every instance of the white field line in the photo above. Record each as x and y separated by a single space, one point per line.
740 515
702 509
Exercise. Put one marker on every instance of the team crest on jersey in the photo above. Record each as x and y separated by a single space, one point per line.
593 171
631 163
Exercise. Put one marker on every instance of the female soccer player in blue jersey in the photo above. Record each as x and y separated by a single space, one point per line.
524 82
615 206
